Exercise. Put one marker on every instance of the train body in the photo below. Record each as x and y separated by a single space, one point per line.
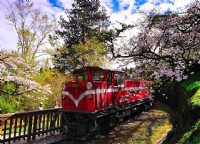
100 98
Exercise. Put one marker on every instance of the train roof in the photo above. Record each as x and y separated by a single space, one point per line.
95 67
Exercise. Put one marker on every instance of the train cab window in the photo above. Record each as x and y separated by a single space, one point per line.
82 76
97 75
109 78
119 79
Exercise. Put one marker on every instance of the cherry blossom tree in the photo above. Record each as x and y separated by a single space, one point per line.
15 71
167 46
20 90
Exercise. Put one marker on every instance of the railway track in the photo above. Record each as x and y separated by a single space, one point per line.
138 128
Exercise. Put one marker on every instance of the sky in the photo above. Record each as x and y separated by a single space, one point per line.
119 11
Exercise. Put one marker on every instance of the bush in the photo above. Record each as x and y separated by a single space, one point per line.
192 135
7 107
192 84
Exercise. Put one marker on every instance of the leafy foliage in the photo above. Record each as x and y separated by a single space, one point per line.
92 53
192 84
8 104
195 99
53 81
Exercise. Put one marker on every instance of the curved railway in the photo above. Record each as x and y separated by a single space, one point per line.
126 132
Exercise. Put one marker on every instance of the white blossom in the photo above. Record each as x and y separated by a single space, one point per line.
2 67
11 65
14 69
19 60
20 81
47 89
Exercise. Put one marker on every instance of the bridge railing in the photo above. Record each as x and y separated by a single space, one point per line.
27 126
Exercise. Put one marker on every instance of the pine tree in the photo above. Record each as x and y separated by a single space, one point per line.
86 20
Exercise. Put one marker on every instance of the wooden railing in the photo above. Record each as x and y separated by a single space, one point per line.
27 126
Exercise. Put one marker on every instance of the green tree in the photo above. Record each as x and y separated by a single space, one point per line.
90 53
86 20
32 27
55 81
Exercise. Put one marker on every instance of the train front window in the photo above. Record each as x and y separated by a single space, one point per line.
97 75
82 76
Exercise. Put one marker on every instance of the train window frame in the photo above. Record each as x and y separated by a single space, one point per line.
109 78
119 79
98 75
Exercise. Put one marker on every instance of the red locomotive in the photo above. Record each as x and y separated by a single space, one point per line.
100 98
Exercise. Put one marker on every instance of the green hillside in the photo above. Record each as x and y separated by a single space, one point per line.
189 130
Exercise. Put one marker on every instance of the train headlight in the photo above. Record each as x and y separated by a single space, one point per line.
90 96
89 85
151 91
63 87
